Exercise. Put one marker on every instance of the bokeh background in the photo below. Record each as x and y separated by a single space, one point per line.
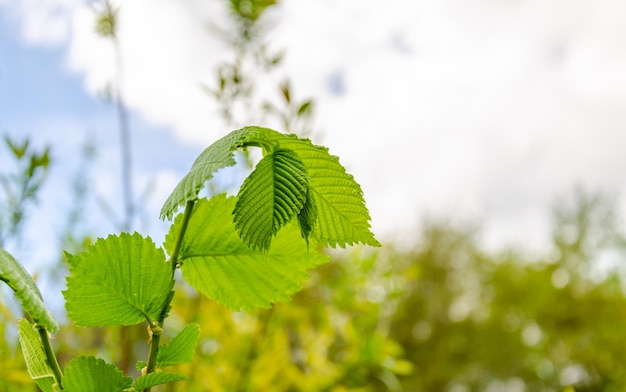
487 135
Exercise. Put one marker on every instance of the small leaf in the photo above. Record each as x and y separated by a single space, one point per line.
305 108
26 291
270 197
152 379
94 375
120 280
18 149
218 155
181 348
286 91
217 263
35 356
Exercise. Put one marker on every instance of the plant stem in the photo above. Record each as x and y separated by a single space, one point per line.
154 349
156 328
181 235
52 359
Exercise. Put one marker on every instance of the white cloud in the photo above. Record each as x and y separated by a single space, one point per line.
166 52
481 109
44 22
484 109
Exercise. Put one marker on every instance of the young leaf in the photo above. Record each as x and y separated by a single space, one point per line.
217 263
341 217
181 348
270 197
152 379
120 280
94 375
35 356
26 291
218 155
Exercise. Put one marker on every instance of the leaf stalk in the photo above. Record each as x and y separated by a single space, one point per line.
179 240
52 359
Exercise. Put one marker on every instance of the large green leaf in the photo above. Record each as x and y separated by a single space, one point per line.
152 379
181 348
120 280
340 217
218 155
35 356
270 197
94 375
26 291
216 262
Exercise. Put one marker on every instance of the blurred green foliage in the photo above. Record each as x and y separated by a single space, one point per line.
24 172
470 321
236 89
443 316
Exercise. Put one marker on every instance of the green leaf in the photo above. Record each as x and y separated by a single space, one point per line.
216 156
47 384
307 216
18 149
94 375
341 217
181 348
217 263
270 197
305 108
120 280
26 291
35 356
152 379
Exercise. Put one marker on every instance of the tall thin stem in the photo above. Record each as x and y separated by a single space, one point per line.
125 144
156 328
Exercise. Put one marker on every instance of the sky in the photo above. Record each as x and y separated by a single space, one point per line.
479 110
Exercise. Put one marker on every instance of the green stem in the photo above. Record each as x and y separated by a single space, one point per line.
52 359
156 328
181 235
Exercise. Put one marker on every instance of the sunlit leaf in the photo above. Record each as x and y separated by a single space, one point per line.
120 280
94 375
270 197
216 262
181 348
35 356
218 155
341 216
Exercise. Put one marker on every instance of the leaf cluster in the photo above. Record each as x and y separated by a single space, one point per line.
21 186
295 178
245 252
